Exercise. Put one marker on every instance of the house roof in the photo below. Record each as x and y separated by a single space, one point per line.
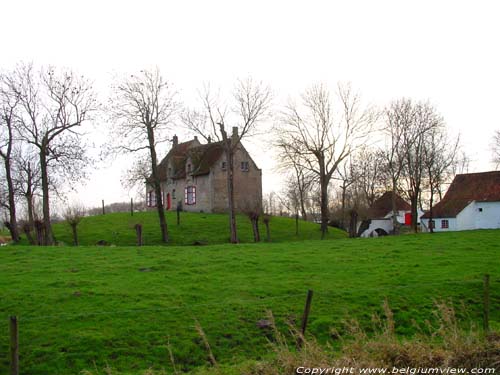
202 157
465 188
383 205
177 155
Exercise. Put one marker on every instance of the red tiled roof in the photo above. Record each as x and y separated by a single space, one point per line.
383 205
465 188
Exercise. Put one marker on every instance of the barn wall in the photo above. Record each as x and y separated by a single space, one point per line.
489 218
466 218
452 224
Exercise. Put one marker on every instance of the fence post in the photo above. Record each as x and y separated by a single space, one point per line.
138 232
14 346
305 318
486 303
103 212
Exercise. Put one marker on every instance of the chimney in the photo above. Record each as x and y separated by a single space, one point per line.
175 141
209 139
195 138
235 131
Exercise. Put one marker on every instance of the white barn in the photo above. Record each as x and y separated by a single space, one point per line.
471 202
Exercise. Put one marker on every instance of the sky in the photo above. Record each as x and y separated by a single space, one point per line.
446 52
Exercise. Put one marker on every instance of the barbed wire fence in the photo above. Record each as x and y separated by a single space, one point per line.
239 322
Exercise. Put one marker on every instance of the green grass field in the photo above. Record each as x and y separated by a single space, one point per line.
118 229
124 307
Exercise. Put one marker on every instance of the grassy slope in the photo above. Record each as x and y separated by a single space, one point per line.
117 228
83 305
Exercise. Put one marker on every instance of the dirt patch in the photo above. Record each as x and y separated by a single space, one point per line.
5 239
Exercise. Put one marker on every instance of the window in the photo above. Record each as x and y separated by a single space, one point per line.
173 193
444 224
223 165
432 224
190 195
189 168
169 171
480 209
151 199
244 166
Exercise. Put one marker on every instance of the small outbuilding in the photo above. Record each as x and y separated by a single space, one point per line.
380 214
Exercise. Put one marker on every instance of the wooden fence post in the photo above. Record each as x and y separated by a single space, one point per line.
486 304
305 318
138 232
14 346
103 212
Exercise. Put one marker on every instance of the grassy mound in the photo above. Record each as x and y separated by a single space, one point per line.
118 229
129 308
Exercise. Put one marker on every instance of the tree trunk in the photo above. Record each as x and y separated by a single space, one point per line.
353 223
48 237
342 212
255 227
39 228
431 201
324 208
230 194
75 234
268 231
297 224
157 185
414 212
14 231
395 222
27 231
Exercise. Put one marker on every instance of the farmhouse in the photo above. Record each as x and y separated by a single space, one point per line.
379 220
471 202
194 176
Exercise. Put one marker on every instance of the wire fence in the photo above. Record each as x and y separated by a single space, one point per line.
237 327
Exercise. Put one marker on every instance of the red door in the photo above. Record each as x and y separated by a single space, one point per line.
408 218
168 201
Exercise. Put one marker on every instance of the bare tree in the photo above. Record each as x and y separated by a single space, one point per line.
439 159
321 139
27 179
142 109
426 121
55 105
368 165
346 174
399 117
251 106
9 104
73 216
495 149
299 180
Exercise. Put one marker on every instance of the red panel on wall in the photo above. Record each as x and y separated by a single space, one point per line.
408 218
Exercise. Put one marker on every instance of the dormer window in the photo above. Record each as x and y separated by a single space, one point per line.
224 165
244 166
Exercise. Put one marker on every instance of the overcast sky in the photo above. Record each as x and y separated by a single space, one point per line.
443 51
